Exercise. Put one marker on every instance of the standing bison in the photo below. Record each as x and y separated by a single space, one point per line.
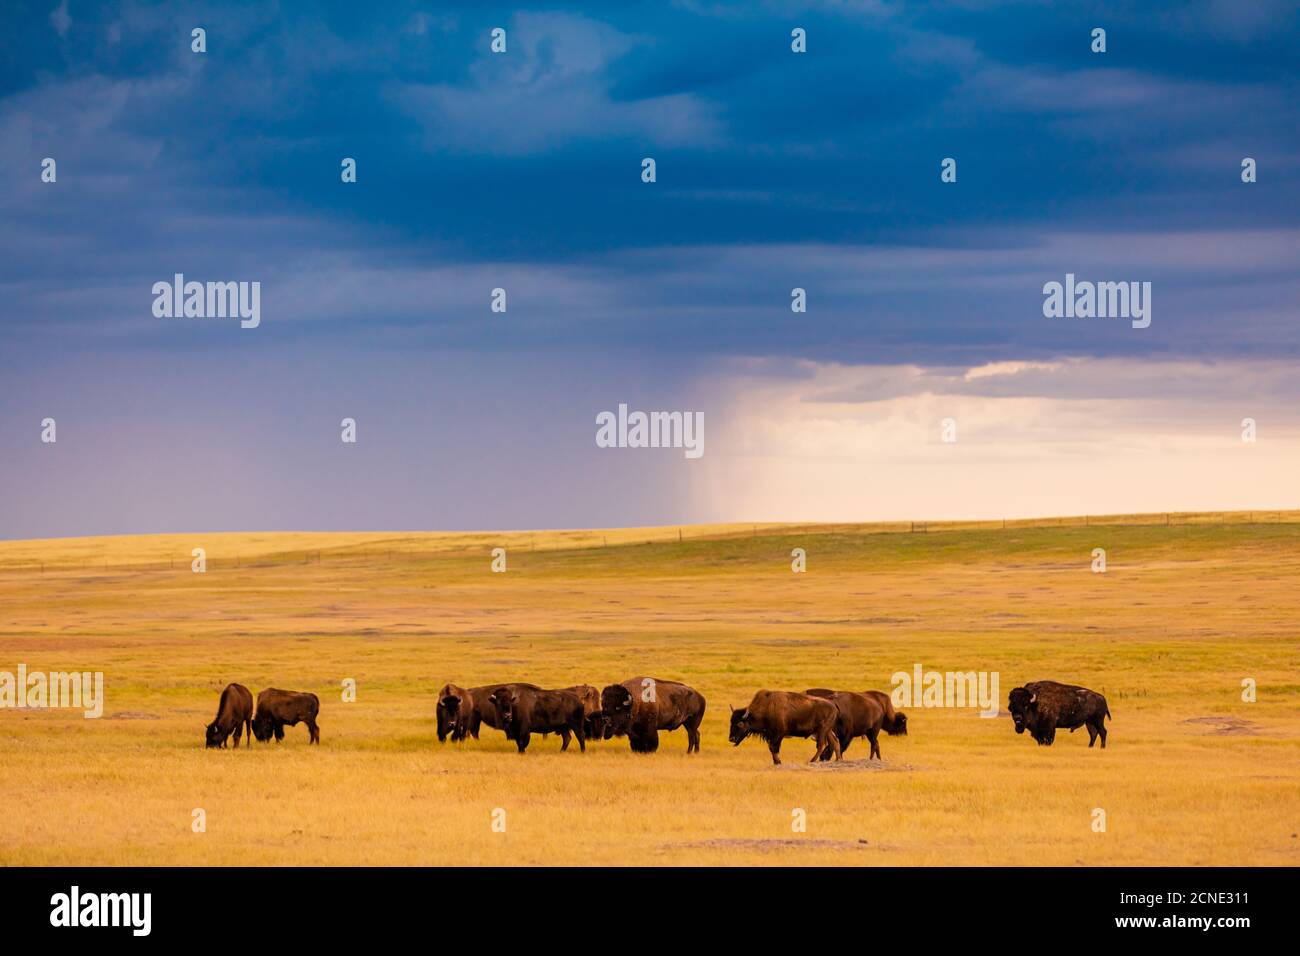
524 710
777 714
1045 705
485 712
234 715
593 720
640 707
860 715
275 708
454 711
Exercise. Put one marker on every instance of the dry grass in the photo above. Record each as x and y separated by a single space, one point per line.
1183 614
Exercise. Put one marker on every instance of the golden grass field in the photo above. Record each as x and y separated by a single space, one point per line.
1183 614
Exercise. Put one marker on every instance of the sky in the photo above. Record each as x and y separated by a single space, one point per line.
522 170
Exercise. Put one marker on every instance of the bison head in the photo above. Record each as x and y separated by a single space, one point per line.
1023 704
899 727
616 711
215 738
447 711
740 727
506 703
593 725
263 727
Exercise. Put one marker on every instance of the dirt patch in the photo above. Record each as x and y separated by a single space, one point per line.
1227 726
850 766
132 715
774 845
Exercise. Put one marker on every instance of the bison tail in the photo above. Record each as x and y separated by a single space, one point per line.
1108 712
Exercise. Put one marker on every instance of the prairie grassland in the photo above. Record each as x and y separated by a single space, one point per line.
1182 616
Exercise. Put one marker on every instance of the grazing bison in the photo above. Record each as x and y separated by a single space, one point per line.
895 723
593 720
1043 706
640 707
275 708
777 714
454 711
859 716
524 710
234 715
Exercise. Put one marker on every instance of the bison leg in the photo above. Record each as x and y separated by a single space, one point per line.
693 735
874 737
239 732
565 737
775 747
580 732
248 732
521 740
313 730
828 742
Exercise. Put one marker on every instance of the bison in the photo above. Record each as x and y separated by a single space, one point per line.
895 723
234 715
777 714
640 707
484 711
454 711
1042 706
860 715
275 708
523 710
593 720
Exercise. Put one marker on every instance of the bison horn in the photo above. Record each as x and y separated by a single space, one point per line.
1033 698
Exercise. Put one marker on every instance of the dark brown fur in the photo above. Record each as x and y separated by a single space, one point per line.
276 708
523 711
484 711
640 707
777 714
1042 706
234 715
454 711
859 715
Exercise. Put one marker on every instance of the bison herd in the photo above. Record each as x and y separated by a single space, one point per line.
275 709
639 708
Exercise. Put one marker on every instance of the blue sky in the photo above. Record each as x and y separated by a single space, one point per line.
521 171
